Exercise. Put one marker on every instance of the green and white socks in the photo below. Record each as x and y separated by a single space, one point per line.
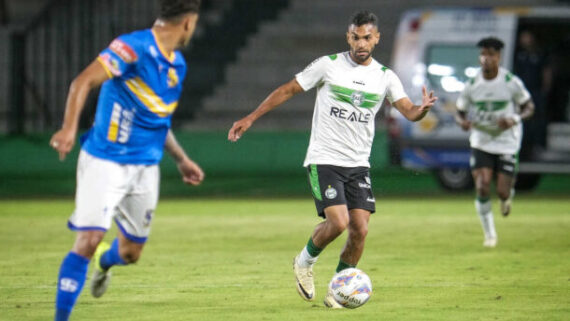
483 207
309 254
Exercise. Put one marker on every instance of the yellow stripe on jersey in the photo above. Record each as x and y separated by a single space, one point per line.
149 98
102 62
113 132
170 57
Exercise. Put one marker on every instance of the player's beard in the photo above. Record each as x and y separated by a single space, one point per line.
358 58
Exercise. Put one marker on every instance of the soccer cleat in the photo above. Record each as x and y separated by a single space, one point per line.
506 206
101 278
490 242
330 302
304 280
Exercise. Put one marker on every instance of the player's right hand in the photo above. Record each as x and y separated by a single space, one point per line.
238 128
62 141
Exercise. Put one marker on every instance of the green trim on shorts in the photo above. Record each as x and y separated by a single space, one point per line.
314 179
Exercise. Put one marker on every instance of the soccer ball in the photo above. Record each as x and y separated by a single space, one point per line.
351 288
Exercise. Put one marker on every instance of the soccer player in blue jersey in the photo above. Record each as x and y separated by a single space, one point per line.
117 172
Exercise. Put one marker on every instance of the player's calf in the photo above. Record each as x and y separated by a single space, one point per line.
506 204
104 258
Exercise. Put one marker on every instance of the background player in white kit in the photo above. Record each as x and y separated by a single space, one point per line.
351 87
492 106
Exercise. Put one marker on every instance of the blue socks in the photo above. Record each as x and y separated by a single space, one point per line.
72 274
111 257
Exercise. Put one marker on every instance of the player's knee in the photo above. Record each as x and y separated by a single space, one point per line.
482 189
338 225
359 233
504 194
86 243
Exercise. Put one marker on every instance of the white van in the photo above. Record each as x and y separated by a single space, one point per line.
437 48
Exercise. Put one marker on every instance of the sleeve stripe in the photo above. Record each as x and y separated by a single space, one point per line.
109 73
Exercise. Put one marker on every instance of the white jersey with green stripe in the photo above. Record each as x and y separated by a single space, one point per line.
485 102
348 97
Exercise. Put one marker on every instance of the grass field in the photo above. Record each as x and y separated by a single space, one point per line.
215 259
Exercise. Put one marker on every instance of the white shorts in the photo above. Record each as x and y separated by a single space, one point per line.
107 190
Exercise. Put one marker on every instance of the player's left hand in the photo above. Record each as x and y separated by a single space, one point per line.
427 100
506 123
238 128
191 173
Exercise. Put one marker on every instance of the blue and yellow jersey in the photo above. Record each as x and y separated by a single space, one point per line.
135 105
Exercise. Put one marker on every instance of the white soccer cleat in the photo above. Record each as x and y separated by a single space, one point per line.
304 280
101 278
330 302
506 206
490 242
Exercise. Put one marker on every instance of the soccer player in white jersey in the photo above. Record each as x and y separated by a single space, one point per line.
493 105
351 87
141 74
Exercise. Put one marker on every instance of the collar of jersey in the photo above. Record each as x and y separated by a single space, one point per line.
161 49
354 63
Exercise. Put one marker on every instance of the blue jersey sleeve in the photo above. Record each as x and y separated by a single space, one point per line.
121 56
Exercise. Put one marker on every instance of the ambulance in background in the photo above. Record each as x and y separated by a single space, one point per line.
437 48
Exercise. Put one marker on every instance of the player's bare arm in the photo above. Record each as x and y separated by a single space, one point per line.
462 121
276 98
190 170
416 112
91 77
526 111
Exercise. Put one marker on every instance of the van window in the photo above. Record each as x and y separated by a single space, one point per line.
450 66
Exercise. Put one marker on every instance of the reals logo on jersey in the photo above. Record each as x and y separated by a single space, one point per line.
123 50
172 77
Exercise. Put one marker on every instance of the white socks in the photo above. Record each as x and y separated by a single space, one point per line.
486 216
305 259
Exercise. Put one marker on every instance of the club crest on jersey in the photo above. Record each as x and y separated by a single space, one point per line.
123 50
330 193
357 98
172 77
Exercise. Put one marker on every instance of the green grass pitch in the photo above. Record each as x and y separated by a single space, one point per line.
216 259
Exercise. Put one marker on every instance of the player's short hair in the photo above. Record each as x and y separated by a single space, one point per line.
491 42
364 17
174 9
